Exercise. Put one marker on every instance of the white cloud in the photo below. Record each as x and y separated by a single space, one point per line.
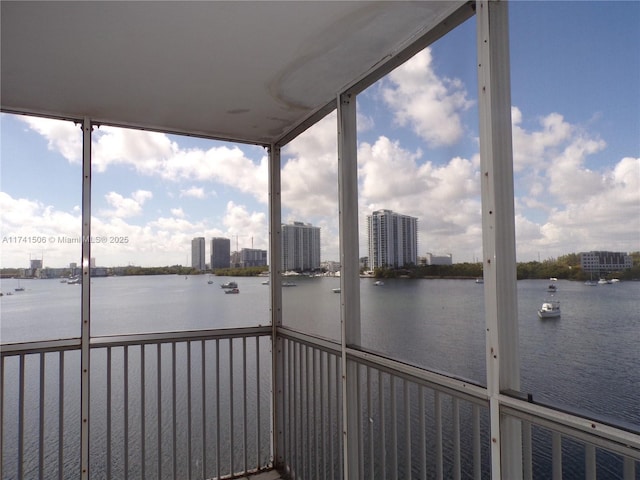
44 226
177 212
429 104
245 229
310 174
62 136
195 192
533 149
122 207
564 205
156 155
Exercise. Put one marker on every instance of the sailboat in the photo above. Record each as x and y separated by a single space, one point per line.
19 288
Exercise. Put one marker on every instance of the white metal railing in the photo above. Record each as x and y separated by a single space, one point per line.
557 443
311 403
166 405
416 423
198 405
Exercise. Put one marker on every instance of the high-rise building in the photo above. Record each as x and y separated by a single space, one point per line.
300 247
393 239
197 253
253 257
220 252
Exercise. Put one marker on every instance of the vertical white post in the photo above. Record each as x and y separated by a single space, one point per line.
498 232
86 297
275 284
349 275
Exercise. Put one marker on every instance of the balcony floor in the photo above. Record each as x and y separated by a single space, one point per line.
270 475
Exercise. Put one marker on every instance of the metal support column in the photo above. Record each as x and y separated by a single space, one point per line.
350 276
86 297
275 283
498 232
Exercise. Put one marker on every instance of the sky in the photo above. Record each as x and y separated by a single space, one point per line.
575 78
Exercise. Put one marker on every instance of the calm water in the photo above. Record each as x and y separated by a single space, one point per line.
589 358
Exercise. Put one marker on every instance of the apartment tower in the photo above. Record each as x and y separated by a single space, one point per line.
220 252
197 253
300 247
393 239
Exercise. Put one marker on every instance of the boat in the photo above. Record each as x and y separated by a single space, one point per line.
479 280
549 309
289 284
603 281
553 279
552 288
210 282
19 288
229 285
591 283
378 283
266 282
336 290
232 290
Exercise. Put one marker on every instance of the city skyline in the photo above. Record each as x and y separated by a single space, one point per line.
575 143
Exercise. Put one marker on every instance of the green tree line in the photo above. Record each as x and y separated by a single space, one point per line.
564 267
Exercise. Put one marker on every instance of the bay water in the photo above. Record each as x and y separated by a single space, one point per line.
588 359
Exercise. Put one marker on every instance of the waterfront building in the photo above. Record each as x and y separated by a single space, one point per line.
300 247
220 252
253 257
197 253
393 239
331 266
431 259
602 262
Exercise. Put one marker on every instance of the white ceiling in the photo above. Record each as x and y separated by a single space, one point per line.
255 72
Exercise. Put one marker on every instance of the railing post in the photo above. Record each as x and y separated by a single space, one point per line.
498 232
349 276
85 302
275 282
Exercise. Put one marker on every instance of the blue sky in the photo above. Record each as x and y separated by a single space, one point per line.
575 74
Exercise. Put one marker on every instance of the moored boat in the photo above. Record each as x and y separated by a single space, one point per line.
232 290
229 285
549 309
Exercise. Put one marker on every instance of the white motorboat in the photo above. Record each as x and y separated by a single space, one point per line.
549 309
